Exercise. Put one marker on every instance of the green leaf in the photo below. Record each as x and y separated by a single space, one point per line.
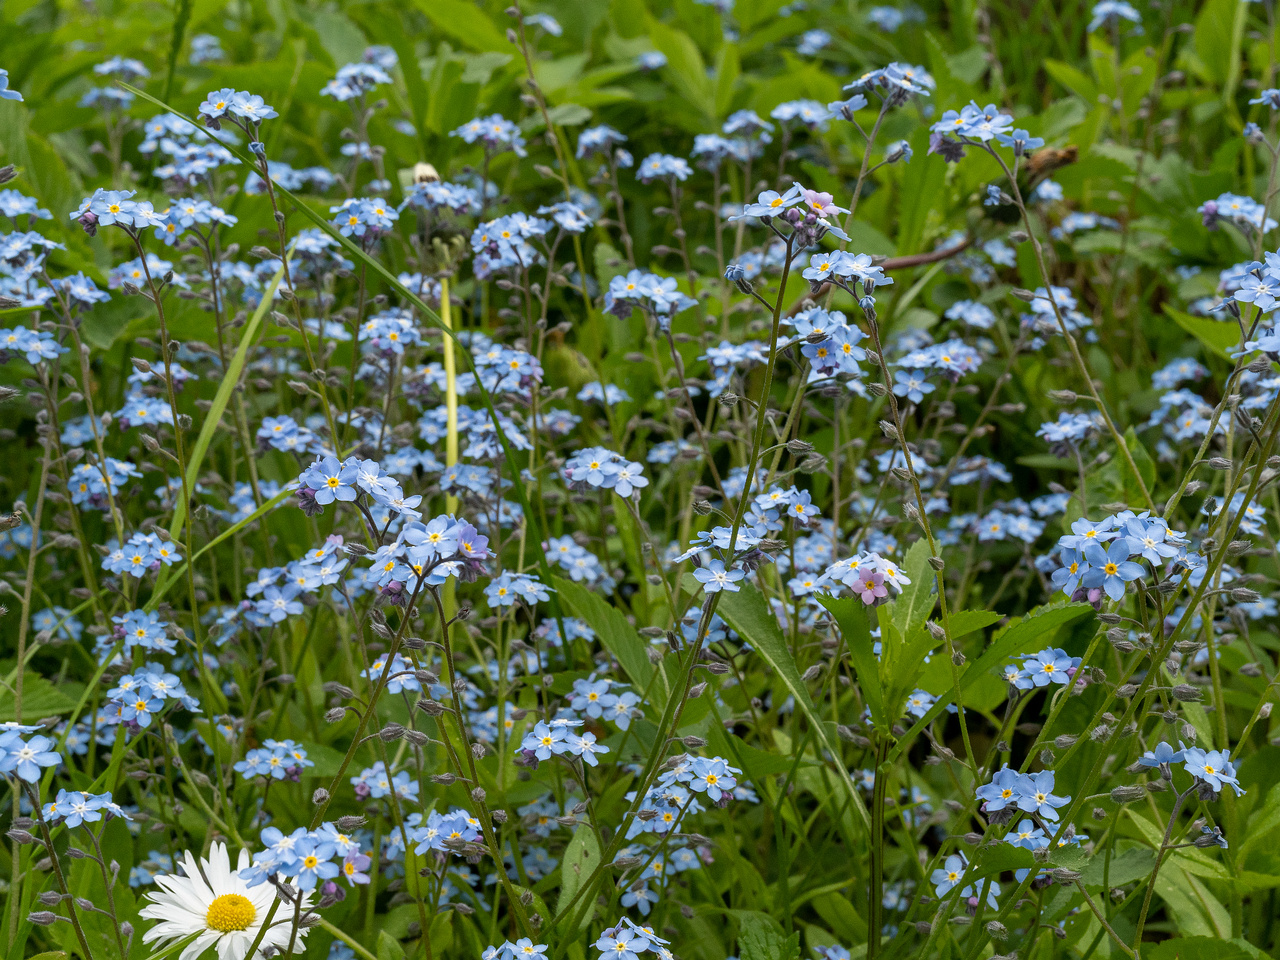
175 947
40 698
912 606
230 380
389 948
1218 337
756 762
465 22
1002 858
1070 856
728 69
1202 948
1194 910
747 613
1133 863
685 67
611 625
569 115
1262 823
1033 630
966 622
166 579
851 617
1218 33
760 937
1073 79
922 183
581 857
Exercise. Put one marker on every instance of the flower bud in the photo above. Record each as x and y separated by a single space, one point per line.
1127 793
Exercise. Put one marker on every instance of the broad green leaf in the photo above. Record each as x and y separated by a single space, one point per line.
922 182
728 69
756 762
1217 336
1194 910
611 626
1202 948
851 617
747 613
912 606
1130 864
40 699
965 622
685 67
1218 32
1071 856
389 948
581 857
465 22
1073 79
760 937
1001 858
1036 629
1262 824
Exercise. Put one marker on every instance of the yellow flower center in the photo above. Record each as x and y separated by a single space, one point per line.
1110 569
230 912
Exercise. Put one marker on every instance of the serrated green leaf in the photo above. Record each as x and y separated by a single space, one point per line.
1002 858
760 937
40 698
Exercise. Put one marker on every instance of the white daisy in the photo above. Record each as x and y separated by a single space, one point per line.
212 901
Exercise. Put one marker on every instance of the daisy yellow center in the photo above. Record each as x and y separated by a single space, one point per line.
230 912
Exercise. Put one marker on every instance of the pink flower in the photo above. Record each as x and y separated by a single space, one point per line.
870 586
822 204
